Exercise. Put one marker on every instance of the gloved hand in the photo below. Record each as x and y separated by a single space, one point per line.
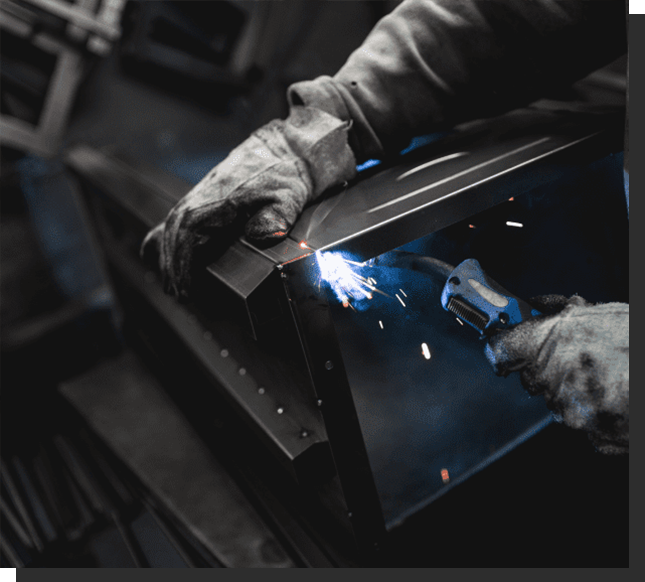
264 184
579 360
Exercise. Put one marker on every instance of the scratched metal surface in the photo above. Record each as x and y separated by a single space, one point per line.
468 171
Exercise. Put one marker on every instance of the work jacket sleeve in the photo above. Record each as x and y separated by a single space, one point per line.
431 64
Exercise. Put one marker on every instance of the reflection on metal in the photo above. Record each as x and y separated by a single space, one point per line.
493 298
371 228
431 163
462 173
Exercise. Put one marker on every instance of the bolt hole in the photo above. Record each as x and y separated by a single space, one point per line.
455 280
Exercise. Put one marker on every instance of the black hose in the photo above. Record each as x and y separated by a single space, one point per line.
415 262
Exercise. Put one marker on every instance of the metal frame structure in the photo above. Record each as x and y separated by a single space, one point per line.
476 168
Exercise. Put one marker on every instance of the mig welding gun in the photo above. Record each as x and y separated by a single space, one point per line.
573 353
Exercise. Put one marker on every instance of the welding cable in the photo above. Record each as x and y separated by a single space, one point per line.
415 262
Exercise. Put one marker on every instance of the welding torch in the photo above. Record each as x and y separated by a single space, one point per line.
469 292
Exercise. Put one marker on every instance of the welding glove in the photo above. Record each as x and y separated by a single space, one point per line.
260 188
578 359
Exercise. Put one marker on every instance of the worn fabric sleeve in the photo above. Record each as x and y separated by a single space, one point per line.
434 63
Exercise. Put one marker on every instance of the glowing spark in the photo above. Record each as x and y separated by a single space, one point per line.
340 276
381 324
459 320
471 226
403 292
373 281
511 199
445 477
401 300
425 350
511 223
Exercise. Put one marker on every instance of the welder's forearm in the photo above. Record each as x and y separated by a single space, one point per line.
436 63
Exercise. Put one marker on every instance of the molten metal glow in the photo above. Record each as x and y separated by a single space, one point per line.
343 280
445 477
303 245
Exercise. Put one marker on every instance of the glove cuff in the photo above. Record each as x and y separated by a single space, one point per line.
321 141
333 97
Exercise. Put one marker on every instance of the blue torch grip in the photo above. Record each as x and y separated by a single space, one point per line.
480 301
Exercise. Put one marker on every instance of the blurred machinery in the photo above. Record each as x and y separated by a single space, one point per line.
47 46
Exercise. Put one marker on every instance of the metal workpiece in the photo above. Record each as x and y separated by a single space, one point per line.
329 380
255 383
475 168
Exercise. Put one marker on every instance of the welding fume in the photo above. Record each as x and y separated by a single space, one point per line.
427 66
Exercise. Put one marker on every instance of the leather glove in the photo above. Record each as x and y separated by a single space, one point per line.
578 359
262 186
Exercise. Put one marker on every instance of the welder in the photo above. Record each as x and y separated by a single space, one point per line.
427 66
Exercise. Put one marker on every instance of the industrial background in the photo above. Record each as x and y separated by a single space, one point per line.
141 432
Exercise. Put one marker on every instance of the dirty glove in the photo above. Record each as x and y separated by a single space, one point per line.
579 360
262 186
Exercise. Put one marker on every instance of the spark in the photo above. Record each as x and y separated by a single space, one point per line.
425 350
303 245
403 292
471 226
459 320
381 324
511 223
445 477
373 281
511 199
401 300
